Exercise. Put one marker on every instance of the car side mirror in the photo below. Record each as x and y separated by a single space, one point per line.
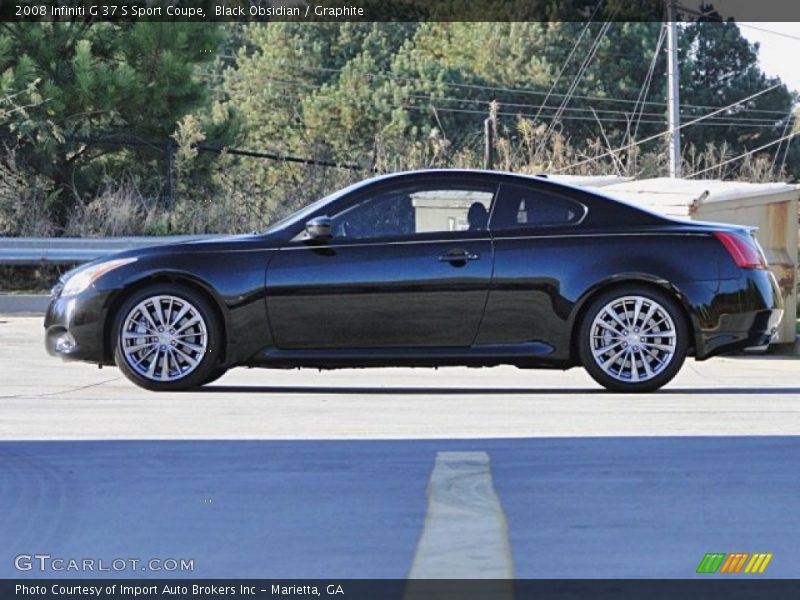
319 228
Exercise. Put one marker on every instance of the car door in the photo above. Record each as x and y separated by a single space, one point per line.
408 265
532 226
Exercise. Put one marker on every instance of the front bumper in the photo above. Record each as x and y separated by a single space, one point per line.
74 327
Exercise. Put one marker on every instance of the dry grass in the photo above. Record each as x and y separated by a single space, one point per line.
24 199
120 209
29 279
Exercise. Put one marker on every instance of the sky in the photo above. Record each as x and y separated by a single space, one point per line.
780 49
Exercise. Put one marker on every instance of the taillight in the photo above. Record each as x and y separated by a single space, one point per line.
745 252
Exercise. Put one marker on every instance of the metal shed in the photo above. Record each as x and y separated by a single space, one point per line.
772 207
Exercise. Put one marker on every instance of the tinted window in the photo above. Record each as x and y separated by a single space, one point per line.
520 207
415 210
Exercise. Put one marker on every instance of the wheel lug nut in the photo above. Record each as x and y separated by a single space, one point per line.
172 342
163 347
161 330
641 340
172 332
636 330
636 348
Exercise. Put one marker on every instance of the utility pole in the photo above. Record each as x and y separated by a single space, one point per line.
673 93
169 156
489 134
488 144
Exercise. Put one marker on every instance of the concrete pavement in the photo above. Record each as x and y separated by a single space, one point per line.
44 398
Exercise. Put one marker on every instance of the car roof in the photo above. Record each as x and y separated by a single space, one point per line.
508 175
579 192
467 172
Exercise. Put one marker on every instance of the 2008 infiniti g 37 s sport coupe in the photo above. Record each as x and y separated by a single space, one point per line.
428 268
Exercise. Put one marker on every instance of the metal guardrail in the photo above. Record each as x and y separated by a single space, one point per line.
65 251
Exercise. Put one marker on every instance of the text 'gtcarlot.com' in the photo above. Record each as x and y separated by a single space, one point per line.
48 563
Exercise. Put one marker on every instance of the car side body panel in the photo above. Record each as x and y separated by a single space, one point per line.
379 295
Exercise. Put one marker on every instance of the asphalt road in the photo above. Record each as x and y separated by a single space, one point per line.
574 508
388 473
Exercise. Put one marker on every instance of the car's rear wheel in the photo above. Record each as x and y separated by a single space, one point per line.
633 339
167 338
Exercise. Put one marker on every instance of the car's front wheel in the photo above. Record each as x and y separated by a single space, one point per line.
167 338
633 339
217 373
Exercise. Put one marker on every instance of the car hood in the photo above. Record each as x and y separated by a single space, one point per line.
207 244
223 243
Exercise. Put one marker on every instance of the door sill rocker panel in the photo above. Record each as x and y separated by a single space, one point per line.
529 354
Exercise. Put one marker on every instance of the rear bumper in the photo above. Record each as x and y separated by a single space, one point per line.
745 313
761 328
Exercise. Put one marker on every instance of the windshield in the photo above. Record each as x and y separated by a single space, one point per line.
303 213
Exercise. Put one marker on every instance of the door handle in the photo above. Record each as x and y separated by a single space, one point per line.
459 256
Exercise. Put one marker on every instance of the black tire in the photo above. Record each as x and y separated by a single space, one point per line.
215 374
205 362
655 373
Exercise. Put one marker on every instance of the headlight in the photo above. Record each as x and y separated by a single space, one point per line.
86 277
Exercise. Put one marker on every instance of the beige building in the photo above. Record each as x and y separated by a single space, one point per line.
445 210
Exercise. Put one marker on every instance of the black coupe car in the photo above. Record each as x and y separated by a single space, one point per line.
424 269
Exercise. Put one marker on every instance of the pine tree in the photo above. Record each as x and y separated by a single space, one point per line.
89 81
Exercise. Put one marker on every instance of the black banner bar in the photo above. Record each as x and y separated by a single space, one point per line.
206 11
712 588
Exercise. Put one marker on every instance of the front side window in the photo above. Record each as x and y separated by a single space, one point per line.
521 207
415 210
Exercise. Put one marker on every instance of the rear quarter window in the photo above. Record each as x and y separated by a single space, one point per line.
522 207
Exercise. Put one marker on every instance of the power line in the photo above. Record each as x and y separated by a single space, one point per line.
663 133
576 80
567 118
566 61
786 152
743 155
725 119
780 33
770 122
510 90
134 141
785 129
645 89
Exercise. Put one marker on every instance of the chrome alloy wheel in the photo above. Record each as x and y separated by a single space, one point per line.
633 339
164 338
